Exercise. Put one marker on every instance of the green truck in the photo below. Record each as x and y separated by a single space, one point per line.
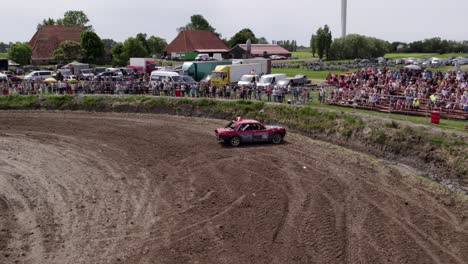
200 69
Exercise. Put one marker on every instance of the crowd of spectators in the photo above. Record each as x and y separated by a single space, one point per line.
401 89
277 94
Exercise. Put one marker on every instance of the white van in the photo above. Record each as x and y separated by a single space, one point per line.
38 75
248 80
270 80
159 76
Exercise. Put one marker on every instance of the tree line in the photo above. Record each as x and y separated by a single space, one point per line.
91 48
289 45
432 45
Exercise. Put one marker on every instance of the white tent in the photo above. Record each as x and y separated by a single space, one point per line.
75 67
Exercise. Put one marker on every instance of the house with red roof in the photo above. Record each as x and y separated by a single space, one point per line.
189 43
48 38
258 50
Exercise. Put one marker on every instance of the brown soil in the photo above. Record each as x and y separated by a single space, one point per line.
128 188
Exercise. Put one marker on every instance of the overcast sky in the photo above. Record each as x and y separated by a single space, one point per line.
392 20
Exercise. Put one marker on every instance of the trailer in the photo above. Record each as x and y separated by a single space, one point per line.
266 64
3 65
199 70
231 74
148 65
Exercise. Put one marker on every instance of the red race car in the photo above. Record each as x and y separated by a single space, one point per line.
246 130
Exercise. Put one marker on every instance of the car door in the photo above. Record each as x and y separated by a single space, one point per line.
261 133
246 133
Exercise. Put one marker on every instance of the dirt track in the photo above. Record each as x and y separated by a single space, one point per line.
125 188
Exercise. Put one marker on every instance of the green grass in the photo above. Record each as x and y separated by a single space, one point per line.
302 54
3 55
422 55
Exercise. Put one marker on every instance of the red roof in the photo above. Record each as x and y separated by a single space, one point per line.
48 38
259 49
191 40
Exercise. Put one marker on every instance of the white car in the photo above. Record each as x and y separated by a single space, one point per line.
202 57
87 74
71 79
248 80
3 77
38 75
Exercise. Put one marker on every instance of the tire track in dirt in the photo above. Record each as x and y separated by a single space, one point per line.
124 188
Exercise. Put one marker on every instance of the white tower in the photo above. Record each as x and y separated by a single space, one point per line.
343 17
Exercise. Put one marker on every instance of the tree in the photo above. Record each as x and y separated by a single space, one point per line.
358 46
262 40
75 18
46 22
118 56
92 45
69 51
108 43
142 38
242 36
134 48
20 53
3 47
322 42
156 45
198 22
328 40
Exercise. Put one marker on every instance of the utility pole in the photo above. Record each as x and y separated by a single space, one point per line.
344 5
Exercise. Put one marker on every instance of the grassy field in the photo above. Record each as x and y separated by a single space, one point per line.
3 55
423 55
302 54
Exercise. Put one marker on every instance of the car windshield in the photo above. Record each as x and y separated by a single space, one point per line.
247 78
219 75
265 80
231 125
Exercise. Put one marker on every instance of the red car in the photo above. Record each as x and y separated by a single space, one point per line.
246 130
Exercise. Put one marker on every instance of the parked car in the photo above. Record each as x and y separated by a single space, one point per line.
298 80
240 131
159 76
38 75
99 70
86 74
202 57
19 71
113 75
13 78
71 79
3 78
277 57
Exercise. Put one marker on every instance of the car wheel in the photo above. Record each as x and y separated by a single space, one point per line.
235 141
277 138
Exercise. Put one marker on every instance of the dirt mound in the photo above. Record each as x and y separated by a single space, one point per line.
126 188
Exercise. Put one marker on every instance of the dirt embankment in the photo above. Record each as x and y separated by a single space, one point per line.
441 156
129 188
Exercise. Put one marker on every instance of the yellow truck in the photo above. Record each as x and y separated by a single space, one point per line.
231 74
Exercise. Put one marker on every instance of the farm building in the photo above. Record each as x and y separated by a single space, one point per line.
258 50
49 38
191 42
